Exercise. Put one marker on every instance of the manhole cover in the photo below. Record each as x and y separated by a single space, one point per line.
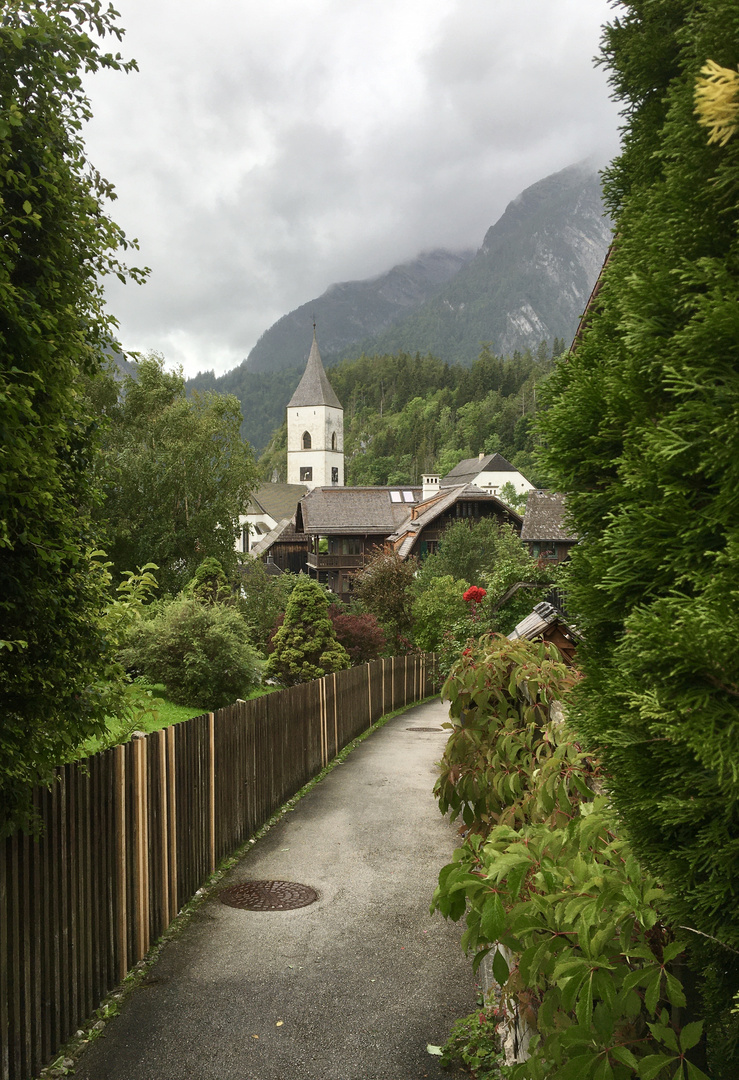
268 895
441 730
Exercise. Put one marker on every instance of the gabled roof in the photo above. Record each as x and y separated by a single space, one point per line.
284 530
545 517
277 500
469 468
362 511
314 388
428 511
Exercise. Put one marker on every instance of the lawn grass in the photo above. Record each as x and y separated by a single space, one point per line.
158 712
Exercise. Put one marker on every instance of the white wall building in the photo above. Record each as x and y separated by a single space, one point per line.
315 429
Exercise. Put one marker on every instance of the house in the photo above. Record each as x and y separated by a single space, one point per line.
344 525
422 529
486 471
545 531
269 505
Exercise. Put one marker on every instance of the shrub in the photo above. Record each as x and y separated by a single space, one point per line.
305 646
440 605
586 957
201 653
360 634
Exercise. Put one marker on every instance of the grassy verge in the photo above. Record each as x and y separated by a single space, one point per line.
156 712
91 1029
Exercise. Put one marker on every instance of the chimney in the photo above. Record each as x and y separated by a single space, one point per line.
431 485
481 456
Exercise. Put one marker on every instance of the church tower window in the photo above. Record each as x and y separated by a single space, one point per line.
306 440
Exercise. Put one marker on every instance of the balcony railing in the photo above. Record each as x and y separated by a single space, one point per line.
335 562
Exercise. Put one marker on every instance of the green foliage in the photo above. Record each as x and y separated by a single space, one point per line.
574 925
264 598
305 646
642 435
176 475
435 608
491 555
56 246
384 588
474 1042
406 415
516 499
209 584
199 651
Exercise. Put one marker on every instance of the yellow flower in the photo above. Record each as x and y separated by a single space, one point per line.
717 101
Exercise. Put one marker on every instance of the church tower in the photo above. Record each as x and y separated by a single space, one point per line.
315 429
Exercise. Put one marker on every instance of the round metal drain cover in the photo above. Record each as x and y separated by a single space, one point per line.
268 895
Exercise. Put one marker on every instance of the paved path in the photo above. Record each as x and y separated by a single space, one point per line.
352 987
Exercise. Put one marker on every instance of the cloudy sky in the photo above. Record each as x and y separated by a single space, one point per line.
265 150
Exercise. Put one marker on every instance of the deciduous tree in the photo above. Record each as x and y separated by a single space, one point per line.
57 243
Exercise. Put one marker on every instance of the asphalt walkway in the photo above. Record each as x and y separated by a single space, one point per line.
352 987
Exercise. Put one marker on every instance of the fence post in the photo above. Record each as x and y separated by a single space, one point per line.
172 820
336 718
120 829
161 736
212 788
141 846
369 696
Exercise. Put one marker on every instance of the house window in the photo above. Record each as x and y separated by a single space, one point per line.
333 441
306 440
351 546
306 474
334 474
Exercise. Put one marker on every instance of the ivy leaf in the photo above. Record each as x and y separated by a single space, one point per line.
624 1056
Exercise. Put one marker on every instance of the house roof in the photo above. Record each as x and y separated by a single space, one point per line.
469 468
314 388
430 509
363 511
277 500
282 531
545 517
542 616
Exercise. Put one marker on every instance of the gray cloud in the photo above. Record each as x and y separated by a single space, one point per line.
263 152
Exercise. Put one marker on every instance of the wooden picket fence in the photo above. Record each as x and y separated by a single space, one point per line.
129 835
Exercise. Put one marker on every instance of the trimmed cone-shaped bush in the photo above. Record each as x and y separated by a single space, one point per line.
305 646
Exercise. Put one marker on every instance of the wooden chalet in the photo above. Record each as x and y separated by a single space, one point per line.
545 530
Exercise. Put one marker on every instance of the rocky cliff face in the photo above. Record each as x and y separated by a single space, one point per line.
352 310
528 282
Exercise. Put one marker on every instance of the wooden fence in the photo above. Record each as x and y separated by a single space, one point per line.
129 835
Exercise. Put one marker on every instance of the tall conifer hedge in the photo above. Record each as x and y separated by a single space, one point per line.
643 435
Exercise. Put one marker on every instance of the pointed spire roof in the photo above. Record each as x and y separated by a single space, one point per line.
314 388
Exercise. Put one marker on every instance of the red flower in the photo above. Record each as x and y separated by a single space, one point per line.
474 594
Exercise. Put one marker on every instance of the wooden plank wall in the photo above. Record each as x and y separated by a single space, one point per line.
129 836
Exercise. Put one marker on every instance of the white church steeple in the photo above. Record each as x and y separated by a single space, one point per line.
315 428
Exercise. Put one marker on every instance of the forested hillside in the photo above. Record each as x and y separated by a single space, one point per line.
406 415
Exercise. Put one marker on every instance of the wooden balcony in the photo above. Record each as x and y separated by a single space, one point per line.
335 562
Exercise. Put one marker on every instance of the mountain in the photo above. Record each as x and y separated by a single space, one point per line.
352 310
530 280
